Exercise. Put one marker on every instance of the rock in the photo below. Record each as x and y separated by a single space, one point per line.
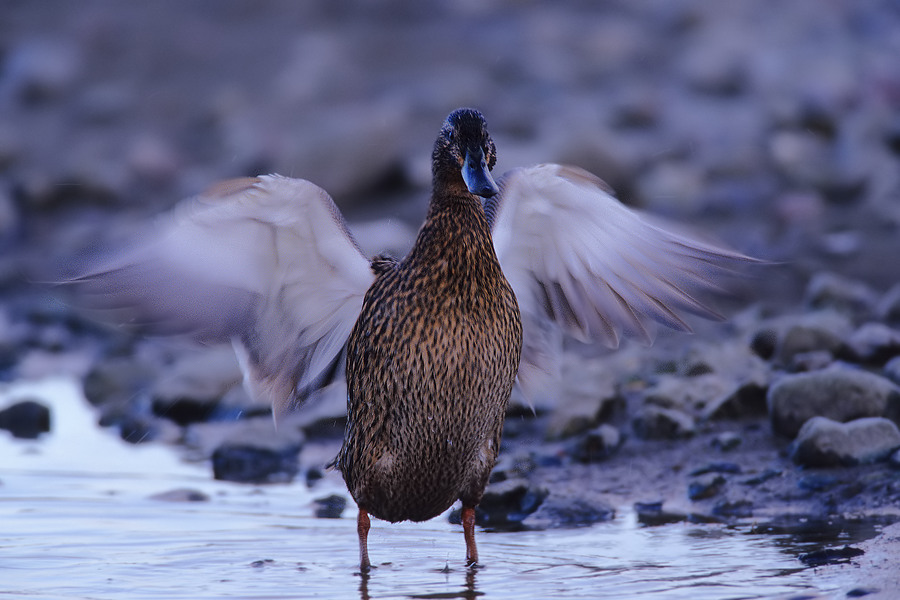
892 370
706 486
726 441
202 439
654 422
838 393
823 442
40 69
26 419
330 507
591 394
598 444
181 495
764 342
875 343
195 384
733 509
815 360
889 306
249 464
830 556
717 467
762 477
895 459
652 513
747 399
817 482
848 296
568 511
824 331
506 504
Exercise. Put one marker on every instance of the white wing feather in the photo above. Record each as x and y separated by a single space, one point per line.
575 254
267 262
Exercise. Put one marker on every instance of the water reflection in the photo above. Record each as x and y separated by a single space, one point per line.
78 504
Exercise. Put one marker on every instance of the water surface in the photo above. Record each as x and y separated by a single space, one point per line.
78 521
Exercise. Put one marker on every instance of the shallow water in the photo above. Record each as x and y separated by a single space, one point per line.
77 521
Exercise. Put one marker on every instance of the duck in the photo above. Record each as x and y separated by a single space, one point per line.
432 344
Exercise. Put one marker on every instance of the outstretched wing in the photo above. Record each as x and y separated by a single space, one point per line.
600 270
265 262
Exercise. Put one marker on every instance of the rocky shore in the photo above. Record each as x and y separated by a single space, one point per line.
773 127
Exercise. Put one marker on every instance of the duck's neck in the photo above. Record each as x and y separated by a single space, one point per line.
455 239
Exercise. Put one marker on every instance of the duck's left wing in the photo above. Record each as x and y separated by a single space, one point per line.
267 263
599 269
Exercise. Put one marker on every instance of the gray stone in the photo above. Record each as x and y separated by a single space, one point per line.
654 422
330 507
560 511
826 443
505 505
838 393
726 441
26 419
706 486
822 331
875 343
829 290
891 370
252 464
181 495
889 306
598 444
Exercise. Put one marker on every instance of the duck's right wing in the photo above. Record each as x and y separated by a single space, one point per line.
265 262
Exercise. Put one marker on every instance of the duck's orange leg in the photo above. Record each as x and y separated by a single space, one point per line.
362 528
468 523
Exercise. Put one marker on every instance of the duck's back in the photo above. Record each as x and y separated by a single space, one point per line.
430 367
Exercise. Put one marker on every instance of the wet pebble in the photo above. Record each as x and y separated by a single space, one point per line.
653 513
506 504
560 511
815 332
817 482
329 507
848 296
823 442
26 419
655 422
891 370
598 444
830 556
181 495
762 477
875 343
706 486
726 441
717 467
734 509
839 393
249 464
889 306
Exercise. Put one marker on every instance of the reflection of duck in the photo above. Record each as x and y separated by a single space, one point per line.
432 341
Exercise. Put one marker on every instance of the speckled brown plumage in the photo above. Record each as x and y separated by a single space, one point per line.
433 356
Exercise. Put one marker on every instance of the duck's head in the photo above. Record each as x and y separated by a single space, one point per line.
465 153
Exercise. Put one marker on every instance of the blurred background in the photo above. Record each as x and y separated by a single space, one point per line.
775 126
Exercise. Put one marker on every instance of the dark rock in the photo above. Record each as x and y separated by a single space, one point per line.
889 306
838 393
706 487
652 513
860 592
248 464
726 441
195 385
26 419
816 360
118 381
513 466
567 511
654 422
598 444
505 505
816 332
762 477
748 399
764 342
829 290
313 476
736 509
826 443
892 370
875 343
830 556
895 459
719 467
181 495
330 507
817 482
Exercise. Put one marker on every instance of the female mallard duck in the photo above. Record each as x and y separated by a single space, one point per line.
433 342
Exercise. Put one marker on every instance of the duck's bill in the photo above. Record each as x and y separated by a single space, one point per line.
477 176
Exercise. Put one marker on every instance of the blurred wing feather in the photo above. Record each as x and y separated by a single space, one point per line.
599 269
266 262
